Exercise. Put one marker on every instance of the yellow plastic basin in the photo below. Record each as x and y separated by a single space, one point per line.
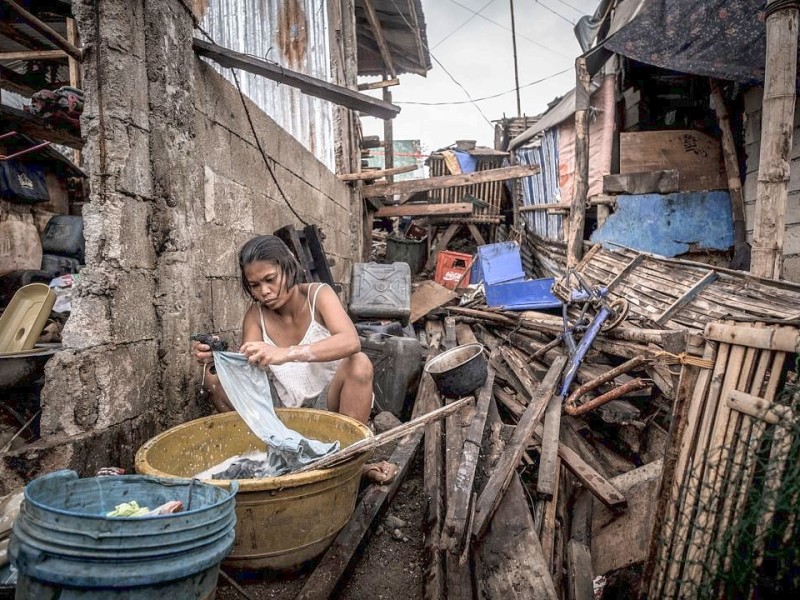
281 521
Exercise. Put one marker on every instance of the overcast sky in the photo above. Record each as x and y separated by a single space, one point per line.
479 55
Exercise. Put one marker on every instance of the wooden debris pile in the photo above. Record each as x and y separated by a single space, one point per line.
663 444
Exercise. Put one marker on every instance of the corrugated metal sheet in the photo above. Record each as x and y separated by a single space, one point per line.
543 187
294 34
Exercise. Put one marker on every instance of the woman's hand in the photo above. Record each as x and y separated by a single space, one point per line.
262 354
202 352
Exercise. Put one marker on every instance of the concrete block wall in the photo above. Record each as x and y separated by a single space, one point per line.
177 185
791 248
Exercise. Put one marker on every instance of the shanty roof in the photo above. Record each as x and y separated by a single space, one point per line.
401 34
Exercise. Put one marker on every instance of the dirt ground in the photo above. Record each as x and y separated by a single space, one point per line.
388 567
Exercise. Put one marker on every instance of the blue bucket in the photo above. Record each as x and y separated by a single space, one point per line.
64 546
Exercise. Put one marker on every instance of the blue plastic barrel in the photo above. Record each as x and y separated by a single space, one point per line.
65 547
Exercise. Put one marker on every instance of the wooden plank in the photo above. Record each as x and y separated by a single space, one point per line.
501 476
508 560
589 477
428 296
34 55
549 524
45 30
648 182
548 477
579 572
687 297
380 40
447 181
454 534
378 84
440 245
426 210
695 155
311 86
376 174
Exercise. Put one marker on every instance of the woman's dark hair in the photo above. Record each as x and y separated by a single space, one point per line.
271 248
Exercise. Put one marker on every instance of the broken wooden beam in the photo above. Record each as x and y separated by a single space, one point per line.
312 86
687 297
547 480
376 174
591 479
461 209
579 572
34 55
782 339
503 472
454 534
437 183
371 443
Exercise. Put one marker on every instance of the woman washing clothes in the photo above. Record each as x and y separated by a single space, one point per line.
302 334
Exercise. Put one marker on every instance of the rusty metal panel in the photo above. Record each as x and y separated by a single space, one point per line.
294 34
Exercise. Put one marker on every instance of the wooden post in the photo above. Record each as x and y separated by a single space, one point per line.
577 215
734 181
777 123
388 136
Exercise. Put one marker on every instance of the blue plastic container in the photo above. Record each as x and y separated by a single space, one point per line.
533 294
65 547
498 263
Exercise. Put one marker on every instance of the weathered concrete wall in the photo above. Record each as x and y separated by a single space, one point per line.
178 184
791 245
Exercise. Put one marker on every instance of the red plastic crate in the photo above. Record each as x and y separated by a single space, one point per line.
451 267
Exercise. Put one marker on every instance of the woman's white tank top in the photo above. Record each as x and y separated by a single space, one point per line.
299 383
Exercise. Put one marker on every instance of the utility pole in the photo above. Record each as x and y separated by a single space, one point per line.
777 121
516 65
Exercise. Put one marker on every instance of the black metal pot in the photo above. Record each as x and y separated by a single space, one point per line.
460 371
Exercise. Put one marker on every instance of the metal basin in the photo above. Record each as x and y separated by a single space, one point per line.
459 371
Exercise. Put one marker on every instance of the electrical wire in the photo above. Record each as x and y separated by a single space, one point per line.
449 35
519 35
580 11
558 14
261 151
511 91
438 62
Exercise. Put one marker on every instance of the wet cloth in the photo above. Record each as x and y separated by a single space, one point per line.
302 383
247 388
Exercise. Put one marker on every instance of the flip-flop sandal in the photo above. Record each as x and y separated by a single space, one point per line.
381 473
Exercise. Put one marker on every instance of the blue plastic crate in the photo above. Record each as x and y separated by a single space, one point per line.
498 263
522 295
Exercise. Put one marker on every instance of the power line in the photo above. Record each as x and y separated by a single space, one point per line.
487 97
575 8
519 35
438 62
558 14
449 35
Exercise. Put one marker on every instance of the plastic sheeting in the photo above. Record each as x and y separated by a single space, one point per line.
724 39
247 388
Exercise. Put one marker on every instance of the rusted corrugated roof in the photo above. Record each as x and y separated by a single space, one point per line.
403 26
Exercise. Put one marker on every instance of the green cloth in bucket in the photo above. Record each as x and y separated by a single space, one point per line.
248 390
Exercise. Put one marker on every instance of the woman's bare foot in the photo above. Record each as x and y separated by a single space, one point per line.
381 472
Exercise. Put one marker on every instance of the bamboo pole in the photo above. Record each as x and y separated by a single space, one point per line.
777 125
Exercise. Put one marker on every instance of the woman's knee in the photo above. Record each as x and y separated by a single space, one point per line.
359 367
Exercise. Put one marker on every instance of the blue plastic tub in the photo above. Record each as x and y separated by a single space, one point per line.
498 263
522 295
65 547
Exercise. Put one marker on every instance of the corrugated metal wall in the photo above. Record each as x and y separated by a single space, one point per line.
293 33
